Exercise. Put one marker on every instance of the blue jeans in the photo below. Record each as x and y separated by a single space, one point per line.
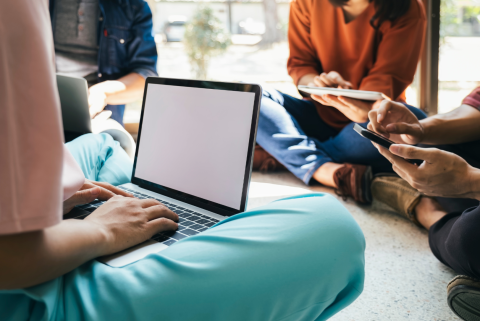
101 158
291 130
301 258
118 111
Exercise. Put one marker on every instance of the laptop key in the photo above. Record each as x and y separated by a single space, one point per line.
159 238
169 242
196 226
189 232
178 236
209 224
202 229
186 223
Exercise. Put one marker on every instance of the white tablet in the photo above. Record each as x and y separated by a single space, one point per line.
356 94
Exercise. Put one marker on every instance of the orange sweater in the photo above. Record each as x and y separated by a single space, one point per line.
383 60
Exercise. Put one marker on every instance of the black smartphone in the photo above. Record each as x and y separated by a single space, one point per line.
380 140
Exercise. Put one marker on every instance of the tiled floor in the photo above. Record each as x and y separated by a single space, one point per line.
404 281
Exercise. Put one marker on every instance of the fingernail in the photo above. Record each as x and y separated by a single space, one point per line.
394 148
95 191
391 127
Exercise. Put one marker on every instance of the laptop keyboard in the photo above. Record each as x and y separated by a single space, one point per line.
190 222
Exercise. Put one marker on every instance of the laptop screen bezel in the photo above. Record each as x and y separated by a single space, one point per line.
185 197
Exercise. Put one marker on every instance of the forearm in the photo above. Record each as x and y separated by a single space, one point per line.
125 90
458 126
36 257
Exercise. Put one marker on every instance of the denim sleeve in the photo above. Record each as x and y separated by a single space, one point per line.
142 50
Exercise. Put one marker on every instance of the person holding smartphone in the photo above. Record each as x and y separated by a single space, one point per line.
353 44
442 194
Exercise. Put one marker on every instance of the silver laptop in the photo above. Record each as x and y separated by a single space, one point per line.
73 92
194 154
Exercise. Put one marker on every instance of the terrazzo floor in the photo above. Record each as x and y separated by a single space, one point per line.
403 281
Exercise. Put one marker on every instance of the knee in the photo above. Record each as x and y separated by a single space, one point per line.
328 219
462 248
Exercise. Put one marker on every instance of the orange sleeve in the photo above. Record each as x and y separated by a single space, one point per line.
303 58
397 54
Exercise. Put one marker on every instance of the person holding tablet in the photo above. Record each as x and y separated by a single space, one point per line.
351 44
442 193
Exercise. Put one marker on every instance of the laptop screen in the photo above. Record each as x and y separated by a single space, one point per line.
196 141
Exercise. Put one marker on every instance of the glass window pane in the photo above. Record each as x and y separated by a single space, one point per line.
459 63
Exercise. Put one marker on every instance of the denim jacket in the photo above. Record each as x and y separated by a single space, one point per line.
125 39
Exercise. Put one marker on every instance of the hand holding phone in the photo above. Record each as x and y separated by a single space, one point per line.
380 140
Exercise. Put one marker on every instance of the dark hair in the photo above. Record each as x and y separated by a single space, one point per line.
384 10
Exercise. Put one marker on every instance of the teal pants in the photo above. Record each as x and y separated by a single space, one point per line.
101 158
300 258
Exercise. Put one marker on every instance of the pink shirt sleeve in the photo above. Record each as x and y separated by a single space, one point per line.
473 99
31 145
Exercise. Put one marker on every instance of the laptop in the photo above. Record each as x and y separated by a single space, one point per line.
73 93
194 154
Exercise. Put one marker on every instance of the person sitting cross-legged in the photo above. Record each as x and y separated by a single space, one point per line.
300 258
350 44
442 193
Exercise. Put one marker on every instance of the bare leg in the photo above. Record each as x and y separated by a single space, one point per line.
428 212
324 174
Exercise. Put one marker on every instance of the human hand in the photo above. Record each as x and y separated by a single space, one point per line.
98 95
126 222
441 174
90 191
332 79
396 122
97 99
354 109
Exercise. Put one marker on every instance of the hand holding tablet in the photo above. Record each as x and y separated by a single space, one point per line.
351 93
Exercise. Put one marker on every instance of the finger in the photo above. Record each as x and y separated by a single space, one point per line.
161 225
319 99
412 152
145 203
347 85
85 196
113 189
401 173
382 111
375 126
403 128
337 79
335 101
154 212
326 80
351 102
318 82
105 194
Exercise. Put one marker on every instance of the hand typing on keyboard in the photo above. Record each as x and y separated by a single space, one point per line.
189 222
91 191
127 221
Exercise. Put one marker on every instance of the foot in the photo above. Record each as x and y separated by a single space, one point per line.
264 162
464 297
354 180
398 194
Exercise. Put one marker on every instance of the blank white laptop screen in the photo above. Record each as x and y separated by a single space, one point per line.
195 140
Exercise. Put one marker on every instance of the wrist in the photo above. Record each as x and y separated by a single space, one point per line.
100 236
